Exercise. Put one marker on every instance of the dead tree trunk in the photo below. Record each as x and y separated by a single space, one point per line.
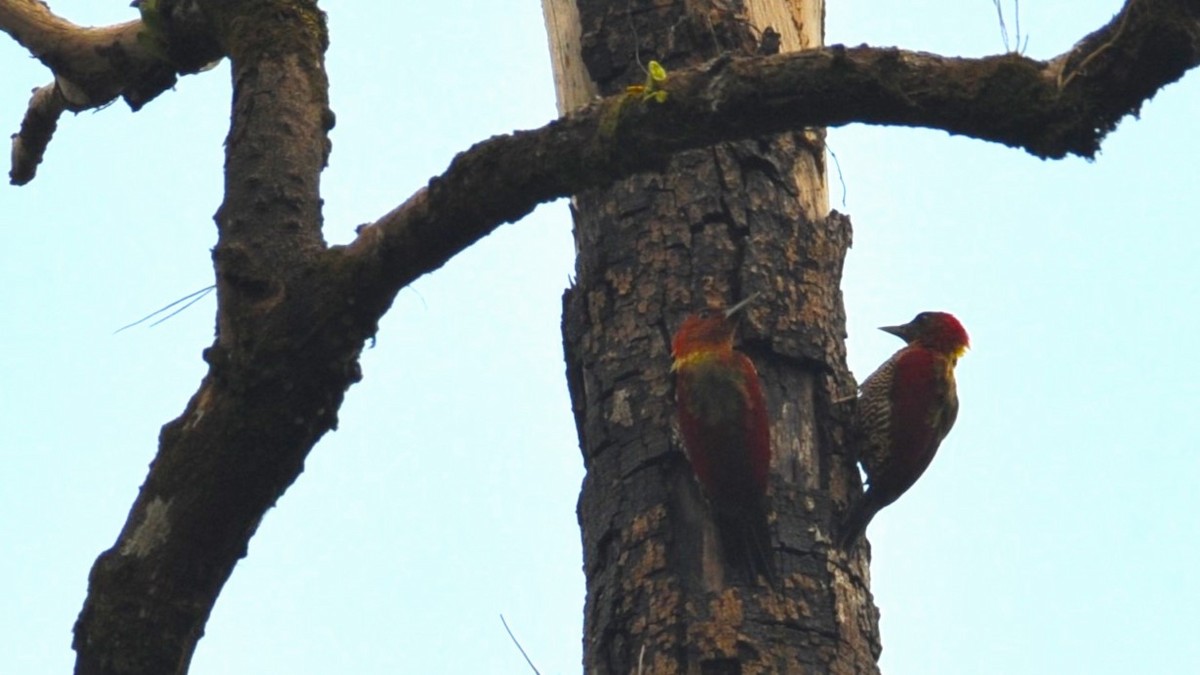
717 225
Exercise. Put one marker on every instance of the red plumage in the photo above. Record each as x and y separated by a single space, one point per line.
722 416
726 431
906 408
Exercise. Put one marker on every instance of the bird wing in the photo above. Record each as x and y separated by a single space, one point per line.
874 417
905 423
924 409
723 418
757 424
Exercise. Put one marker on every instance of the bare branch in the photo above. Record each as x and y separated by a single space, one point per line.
93 66
56 42
29 145
1050 109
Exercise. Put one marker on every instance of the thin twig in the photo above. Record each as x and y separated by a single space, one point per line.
838 166
518 644
1017 21
194 297
1003 27
1018 45
637 54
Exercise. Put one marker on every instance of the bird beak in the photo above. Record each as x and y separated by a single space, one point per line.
738 307
902 331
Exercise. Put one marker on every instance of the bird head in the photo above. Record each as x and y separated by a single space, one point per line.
709 329
939 331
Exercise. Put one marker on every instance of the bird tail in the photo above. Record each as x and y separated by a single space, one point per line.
746 543
855 523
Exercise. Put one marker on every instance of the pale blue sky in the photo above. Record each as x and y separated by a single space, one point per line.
1055 533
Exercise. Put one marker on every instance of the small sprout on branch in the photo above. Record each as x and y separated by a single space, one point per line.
656 76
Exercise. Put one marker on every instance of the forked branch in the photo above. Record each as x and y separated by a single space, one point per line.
94 66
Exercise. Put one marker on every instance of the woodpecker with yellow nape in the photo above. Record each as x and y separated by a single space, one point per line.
905 409
727 435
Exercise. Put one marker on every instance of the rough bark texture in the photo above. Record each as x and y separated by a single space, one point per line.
278 368
715 225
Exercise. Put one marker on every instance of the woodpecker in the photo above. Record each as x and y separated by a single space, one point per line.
726 432
905 409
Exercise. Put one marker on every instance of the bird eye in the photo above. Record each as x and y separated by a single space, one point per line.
707 313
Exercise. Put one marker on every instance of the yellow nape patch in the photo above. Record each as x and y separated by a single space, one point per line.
694 358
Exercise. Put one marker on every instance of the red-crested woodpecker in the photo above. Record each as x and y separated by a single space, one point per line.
726 432
905 409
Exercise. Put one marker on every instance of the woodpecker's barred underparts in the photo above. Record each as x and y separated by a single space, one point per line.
905 409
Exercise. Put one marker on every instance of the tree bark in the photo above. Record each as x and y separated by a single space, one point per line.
278 368
711 225
716 225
